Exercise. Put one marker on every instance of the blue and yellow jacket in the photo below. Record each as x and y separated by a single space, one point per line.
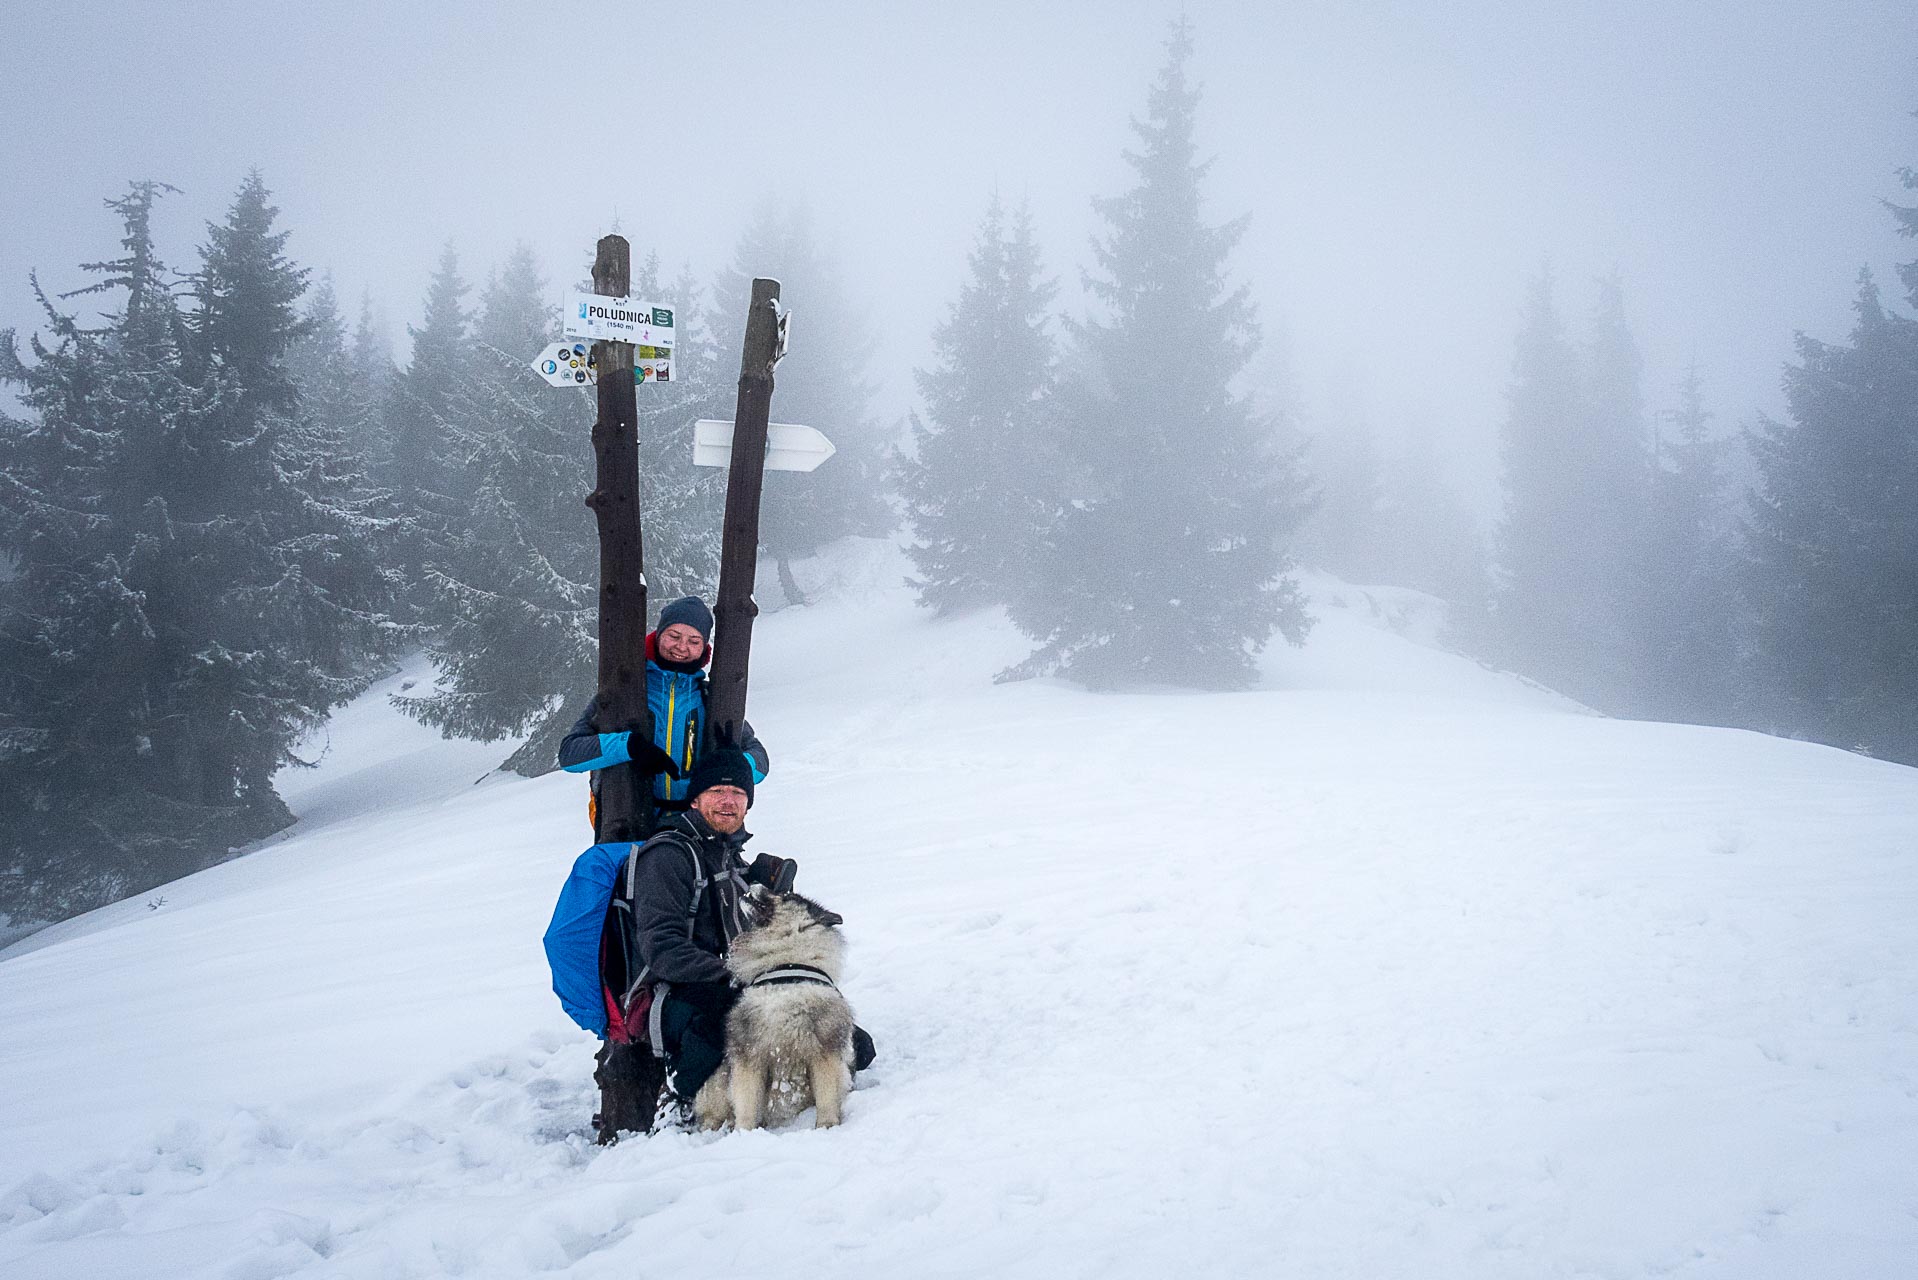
678 703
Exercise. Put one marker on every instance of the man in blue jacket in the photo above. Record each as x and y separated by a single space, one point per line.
677 652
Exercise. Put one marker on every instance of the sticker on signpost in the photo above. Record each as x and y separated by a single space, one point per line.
571 364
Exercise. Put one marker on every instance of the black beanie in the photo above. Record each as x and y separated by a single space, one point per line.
691 611
724 766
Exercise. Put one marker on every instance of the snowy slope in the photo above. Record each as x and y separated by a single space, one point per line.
1392 967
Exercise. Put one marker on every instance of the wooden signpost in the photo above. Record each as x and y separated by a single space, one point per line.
625 807
628 1073
739 547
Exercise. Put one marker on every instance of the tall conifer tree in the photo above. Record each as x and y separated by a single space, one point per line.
1551 559
1834 537
351 529
1166 560
179 616
982 481
430 475
822 382
77 647
515 580
308 599
1691 639
370 356
1616 479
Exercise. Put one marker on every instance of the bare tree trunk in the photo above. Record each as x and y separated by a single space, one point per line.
787 584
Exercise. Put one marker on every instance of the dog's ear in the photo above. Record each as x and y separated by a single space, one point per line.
831 919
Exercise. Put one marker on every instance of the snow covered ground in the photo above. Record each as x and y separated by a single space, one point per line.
1394 967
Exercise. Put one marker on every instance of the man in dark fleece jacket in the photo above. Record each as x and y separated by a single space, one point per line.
686 886
679 893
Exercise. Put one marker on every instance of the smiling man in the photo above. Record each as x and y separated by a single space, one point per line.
677 652
674 910
684 954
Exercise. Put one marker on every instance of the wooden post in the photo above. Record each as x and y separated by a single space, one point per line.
625 799
739 549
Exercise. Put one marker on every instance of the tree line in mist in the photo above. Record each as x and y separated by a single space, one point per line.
225 510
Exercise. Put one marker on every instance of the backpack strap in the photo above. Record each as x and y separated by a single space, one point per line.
701 880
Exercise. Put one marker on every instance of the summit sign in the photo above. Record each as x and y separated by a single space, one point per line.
593 315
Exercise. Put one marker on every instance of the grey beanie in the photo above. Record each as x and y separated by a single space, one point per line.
691 611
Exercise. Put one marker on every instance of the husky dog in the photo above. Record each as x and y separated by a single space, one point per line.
789 1039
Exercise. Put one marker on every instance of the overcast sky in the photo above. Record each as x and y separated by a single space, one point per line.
1407 166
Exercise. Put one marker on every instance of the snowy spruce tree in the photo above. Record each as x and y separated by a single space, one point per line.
93 805
1834 535
321 533
427 460
333 403
1617 478
1568 609
1166 560
359 530
168 635
1692 642
822 383
370 358
513 582
980 485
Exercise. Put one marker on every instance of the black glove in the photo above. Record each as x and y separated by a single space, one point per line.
650 759
774 872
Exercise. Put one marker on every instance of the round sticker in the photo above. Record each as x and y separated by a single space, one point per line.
549 367
579 377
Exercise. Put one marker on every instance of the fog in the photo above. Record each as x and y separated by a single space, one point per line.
1407 167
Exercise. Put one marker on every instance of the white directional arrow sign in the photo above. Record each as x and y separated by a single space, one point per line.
789 447
566 364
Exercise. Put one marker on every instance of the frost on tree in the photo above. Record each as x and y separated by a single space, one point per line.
192 588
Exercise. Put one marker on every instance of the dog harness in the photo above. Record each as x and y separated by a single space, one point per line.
787 974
